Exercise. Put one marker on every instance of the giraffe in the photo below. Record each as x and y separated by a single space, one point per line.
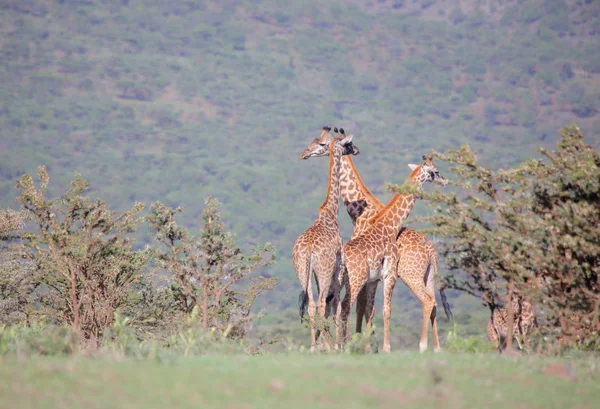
317 252
417 255
373 255
524 322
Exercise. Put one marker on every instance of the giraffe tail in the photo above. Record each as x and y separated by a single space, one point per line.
445 303
303 303
303 297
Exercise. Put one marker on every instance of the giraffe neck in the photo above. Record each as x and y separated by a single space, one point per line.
360 203
398 209
332 200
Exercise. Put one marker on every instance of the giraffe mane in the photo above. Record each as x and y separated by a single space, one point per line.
361 184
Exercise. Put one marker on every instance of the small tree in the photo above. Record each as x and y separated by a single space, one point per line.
208 272
531 231
564 222
83 254
18 278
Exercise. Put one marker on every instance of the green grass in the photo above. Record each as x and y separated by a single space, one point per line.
401 379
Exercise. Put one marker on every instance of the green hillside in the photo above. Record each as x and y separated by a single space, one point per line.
173 101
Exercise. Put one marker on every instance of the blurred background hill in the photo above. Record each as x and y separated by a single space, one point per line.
174 101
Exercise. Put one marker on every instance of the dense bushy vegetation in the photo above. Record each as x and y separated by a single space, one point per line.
529 232
83 255
76 272
207 270
18 275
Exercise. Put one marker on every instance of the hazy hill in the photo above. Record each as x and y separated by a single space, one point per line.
174 101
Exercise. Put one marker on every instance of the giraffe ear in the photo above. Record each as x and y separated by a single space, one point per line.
346 139
412 166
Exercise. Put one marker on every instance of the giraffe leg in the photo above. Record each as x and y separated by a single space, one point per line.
334 302
419 287
365 307
430 292
430 288
388 288
361 304
370 306
340 328
352 290
436 339
311 313
322 307
333 298
428 306
345 312
390 275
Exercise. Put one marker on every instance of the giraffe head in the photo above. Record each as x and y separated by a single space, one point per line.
426 172
320 146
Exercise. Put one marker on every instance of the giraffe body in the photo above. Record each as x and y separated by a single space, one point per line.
417 255
373 255
524 322
317 252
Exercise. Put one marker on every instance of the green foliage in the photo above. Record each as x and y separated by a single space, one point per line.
206 270
534 226
37 339
565 204
83 253
18 276
362 343
471 344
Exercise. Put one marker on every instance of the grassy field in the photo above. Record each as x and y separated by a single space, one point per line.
401 379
